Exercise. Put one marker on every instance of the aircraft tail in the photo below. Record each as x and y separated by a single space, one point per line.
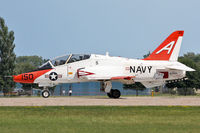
169 49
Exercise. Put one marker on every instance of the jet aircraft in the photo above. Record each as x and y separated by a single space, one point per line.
159 67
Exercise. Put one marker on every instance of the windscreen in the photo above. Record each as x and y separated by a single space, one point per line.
46 65
60 60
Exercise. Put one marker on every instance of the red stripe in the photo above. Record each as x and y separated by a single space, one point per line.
123 77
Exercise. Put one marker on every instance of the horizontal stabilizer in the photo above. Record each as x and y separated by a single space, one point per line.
182 67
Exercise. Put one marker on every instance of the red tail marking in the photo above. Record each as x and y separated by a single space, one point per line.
164 51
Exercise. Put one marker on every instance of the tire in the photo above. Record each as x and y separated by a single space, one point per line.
109 95
115 93
45 94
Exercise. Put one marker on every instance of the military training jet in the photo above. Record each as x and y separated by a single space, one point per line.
159 67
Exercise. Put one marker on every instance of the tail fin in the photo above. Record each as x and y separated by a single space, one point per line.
169 49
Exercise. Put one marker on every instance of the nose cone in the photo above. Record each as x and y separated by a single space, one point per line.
29 77
17 78
24 78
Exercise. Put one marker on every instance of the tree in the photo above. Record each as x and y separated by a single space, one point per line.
28 63
1 83
7 57
146 55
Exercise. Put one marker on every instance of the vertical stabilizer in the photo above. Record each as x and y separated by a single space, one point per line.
169 49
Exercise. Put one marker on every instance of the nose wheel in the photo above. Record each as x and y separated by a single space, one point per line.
45 93
114 93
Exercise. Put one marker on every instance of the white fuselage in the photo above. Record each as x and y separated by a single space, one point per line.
105 67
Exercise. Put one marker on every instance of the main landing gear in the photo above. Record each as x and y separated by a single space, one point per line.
45 93
112 93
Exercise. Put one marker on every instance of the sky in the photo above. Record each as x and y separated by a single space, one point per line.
128 28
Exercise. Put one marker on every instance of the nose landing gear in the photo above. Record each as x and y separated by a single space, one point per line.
45 93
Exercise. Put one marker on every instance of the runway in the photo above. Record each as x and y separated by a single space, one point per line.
101 101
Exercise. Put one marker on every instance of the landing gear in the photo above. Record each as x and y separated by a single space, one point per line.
114 93
45 93
111 93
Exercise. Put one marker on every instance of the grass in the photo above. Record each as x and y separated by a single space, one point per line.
65 119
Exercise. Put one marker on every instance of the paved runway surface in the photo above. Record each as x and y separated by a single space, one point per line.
92 101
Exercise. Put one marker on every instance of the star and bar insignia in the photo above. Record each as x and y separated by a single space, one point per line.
53 76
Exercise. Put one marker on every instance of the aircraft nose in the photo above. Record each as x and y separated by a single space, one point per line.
17 78
24 78
29 77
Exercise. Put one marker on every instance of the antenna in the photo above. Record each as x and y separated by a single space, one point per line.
107 53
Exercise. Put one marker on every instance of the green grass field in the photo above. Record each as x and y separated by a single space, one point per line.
100 119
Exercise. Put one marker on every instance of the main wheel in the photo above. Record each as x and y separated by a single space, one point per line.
45 94
109 95
115 93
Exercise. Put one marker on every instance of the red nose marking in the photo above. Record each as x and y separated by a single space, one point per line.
29 77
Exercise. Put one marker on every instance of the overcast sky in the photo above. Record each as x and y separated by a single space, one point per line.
128 28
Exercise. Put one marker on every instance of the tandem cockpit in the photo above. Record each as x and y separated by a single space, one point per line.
61 60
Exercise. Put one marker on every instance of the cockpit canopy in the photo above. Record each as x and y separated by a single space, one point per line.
66 59
60 60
